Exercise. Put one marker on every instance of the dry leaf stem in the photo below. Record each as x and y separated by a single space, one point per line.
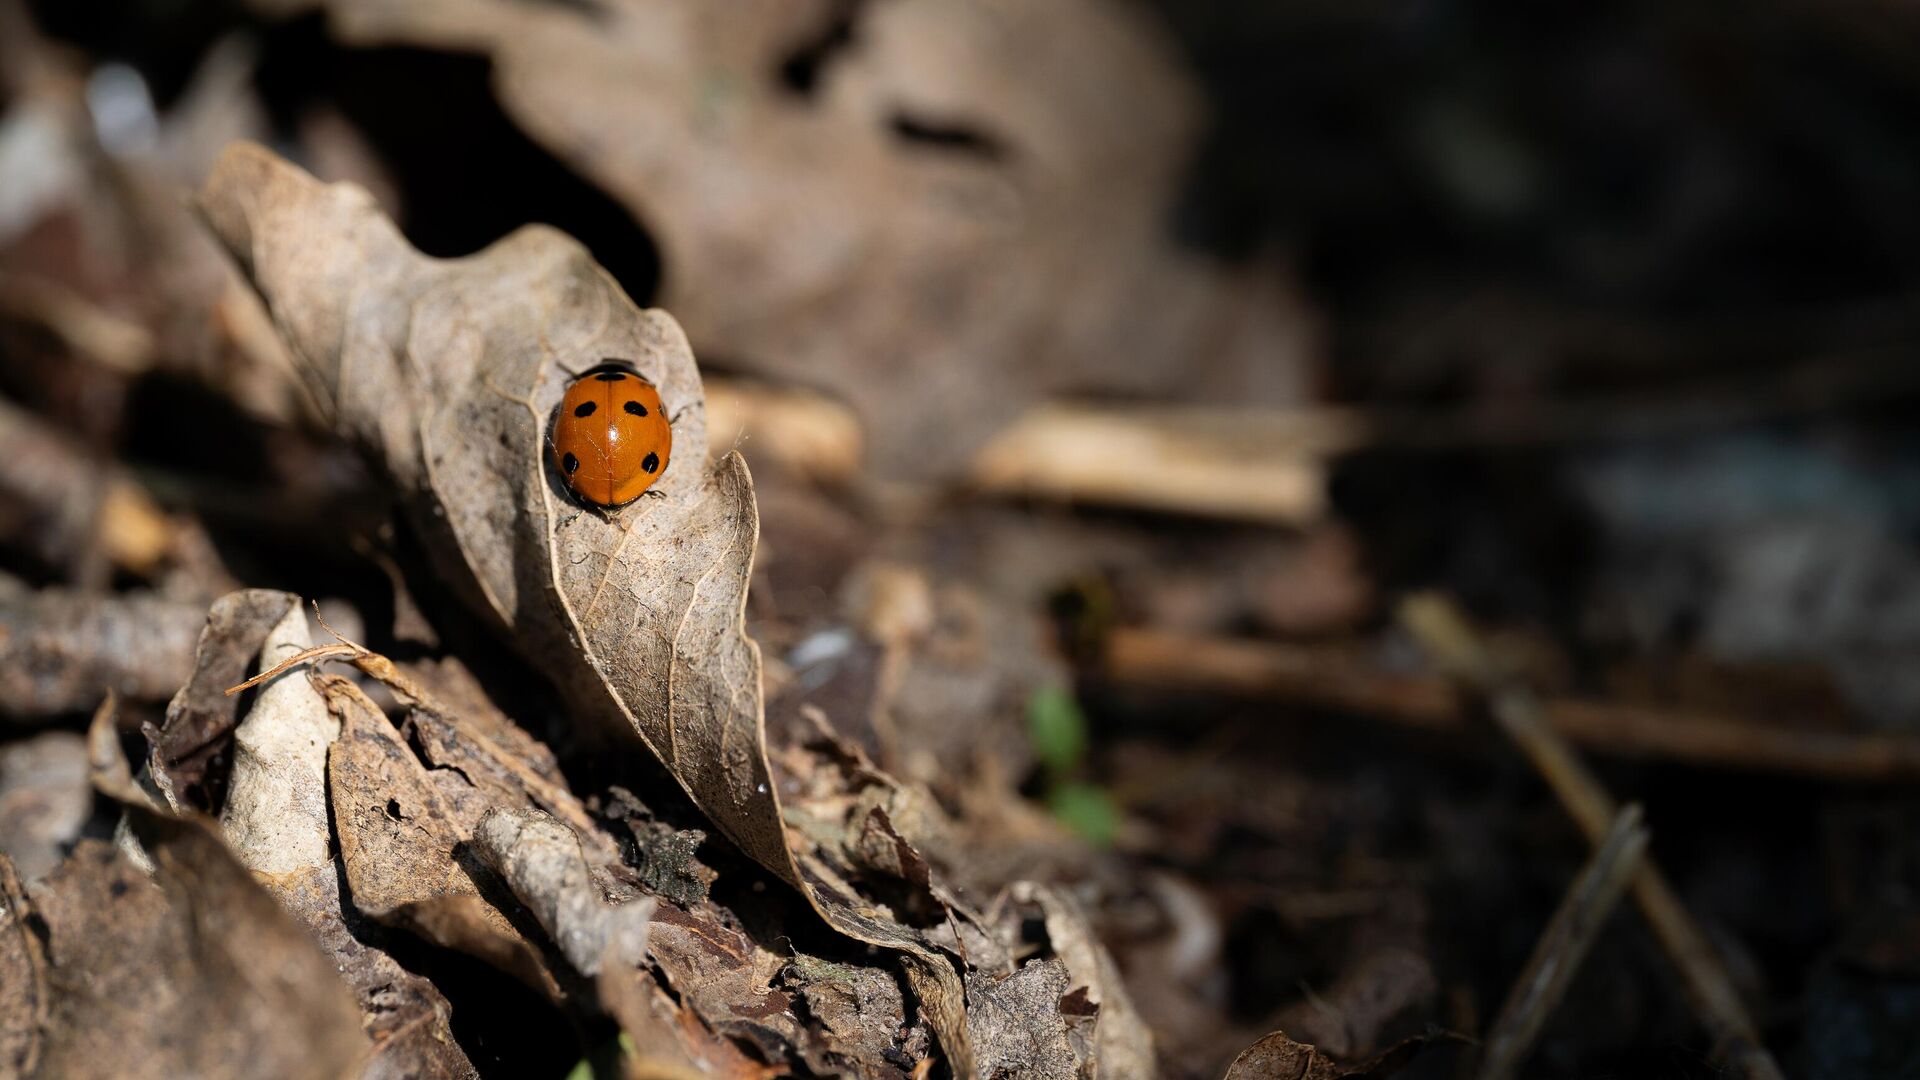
1337 679
1564 944
1446 635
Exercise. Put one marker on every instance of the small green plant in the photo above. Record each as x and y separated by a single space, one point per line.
1057 729
604 1061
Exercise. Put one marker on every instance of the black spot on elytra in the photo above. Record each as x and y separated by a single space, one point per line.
651 463
636 408
586 408
571 463
611 376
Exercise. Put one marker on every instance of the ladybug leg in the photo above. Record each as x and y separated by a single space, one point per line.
653 493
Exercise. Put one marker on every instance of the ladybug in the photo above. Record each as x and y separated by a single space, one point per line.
611 437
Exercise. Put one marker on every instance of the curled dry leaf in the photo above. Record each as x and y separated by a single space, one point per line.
275 813
453 776
1121 1045
446 372
186 756
276 821
398 844
894 218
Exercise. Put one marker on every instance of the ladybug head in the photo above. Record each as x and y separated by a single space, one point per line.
611 369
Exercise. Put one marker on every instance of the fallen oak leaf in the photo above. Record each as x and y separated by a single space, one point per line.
445 372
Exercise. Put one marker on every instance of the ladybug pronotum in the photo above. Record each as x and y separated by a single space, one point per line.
611 438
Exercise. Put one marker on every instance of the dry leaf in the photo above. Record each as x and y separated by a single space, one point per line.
24 993
136 985
964 210
398 846
431 879
136 988
1016 1024
1277 1057
275 812
446 373
187 756
275 817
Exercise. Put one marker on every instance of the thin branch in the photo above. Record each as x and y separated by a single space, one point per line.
1334 678
1446 635
1564 944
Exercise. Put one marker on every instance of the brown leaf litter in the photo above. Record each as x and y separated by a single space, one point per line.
194 971
445 373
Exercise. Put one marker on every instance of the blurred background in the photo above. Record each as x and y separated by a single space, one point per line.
1136 358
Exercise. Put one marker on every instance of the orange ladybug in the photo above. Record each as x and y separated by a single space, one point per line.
611 438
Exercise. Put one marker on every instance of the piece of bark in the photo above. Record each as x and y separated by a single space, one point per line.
1122 1044
24 991
1016 1023
541 861
61 652
44 800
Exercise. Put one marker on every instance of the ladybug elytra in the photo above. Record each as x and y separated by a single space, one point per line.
611 437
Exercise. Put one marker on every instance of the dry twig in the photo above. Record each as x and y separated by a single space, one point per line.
1445 634
1251 465
1564 944
1334 678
